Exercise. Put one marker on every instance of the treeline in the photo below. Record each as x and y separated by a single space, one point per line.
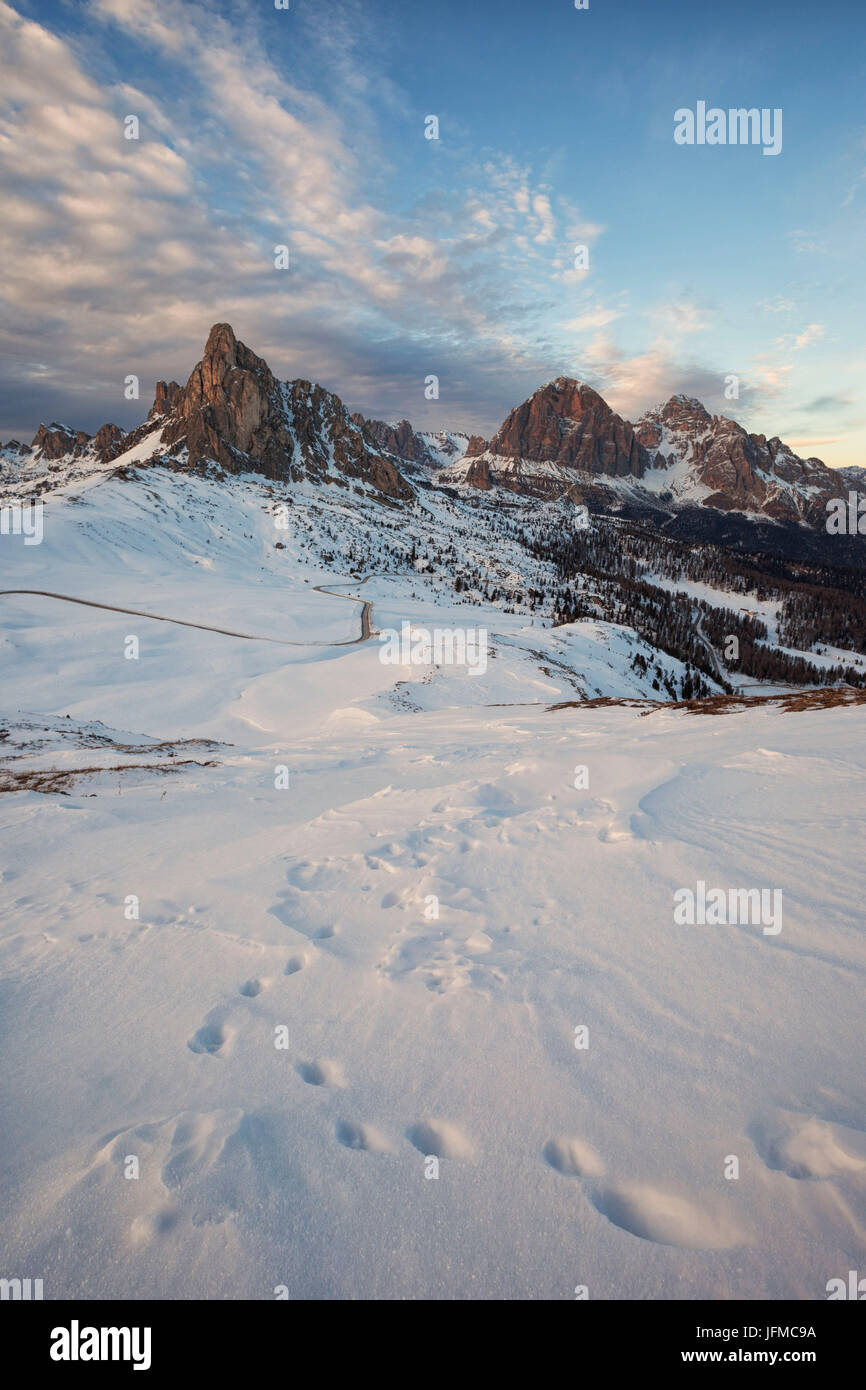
621 561
663 619
812 615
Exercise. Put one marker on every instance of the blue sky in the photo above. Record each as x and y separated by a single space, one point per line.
453 256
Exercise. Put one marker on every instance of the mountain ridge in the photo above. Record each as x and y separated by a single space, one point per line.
562 440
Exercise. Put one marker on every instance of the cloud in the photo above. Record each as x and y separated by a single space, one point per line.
822 404
810 335
779 305
680 316
812 443
807 244
544 214
632 384
120 253
598 317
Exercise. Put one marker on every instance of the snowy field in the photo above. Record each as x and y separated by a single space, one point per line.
331 983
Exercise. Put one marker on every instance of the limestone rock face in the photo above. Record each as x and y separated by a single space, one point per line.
400 439
167 394
476 446
478 474
234 412
567 423
718 462
54 441
565 433
107 441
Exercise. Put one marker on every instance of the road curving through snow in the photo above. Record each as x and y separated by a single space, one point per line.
366 615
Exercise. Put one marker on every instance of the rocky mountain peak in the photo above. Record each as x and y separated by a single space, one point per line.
107 440
54 440
567 423
399 439
683 411
233 411
166 398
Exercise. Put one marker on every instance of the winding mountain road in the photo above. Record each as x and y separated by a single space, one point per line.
366 615
709 648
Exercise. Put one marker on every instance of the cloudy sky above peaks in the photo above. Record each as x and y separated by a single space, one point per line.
454 257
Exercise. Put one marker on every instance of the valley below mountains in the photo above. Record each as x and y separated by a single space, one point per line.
373 963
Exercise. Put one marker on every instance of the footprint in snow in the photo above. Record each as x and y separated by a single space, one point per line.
321 1073
668 1218
210 1038
442 1138
574 1157
354 1135
612 833
661 1215
808 1148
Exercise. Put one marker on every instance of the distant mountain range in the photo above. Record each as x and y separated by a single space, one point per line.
563 441
566 436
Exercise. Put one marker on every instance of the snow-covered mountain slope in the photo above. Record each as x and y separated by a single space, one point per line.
445 446
287 921
855 477
563 441
362 935
414 448
710 459
245 554
565 436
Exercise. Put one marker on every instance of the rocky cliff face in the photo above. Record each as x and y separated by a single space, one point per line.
476 446
168 394
426 450
568 424
55 442
712 459
56 455
234 412
400 439
565 432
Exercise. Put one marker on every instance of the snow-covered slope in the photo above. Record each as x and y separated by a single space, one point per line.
361 931
374 969
445 446
565 436
711 460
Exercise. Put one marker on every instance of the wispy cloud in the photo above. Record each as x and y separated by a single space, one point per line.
261 127
117 248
